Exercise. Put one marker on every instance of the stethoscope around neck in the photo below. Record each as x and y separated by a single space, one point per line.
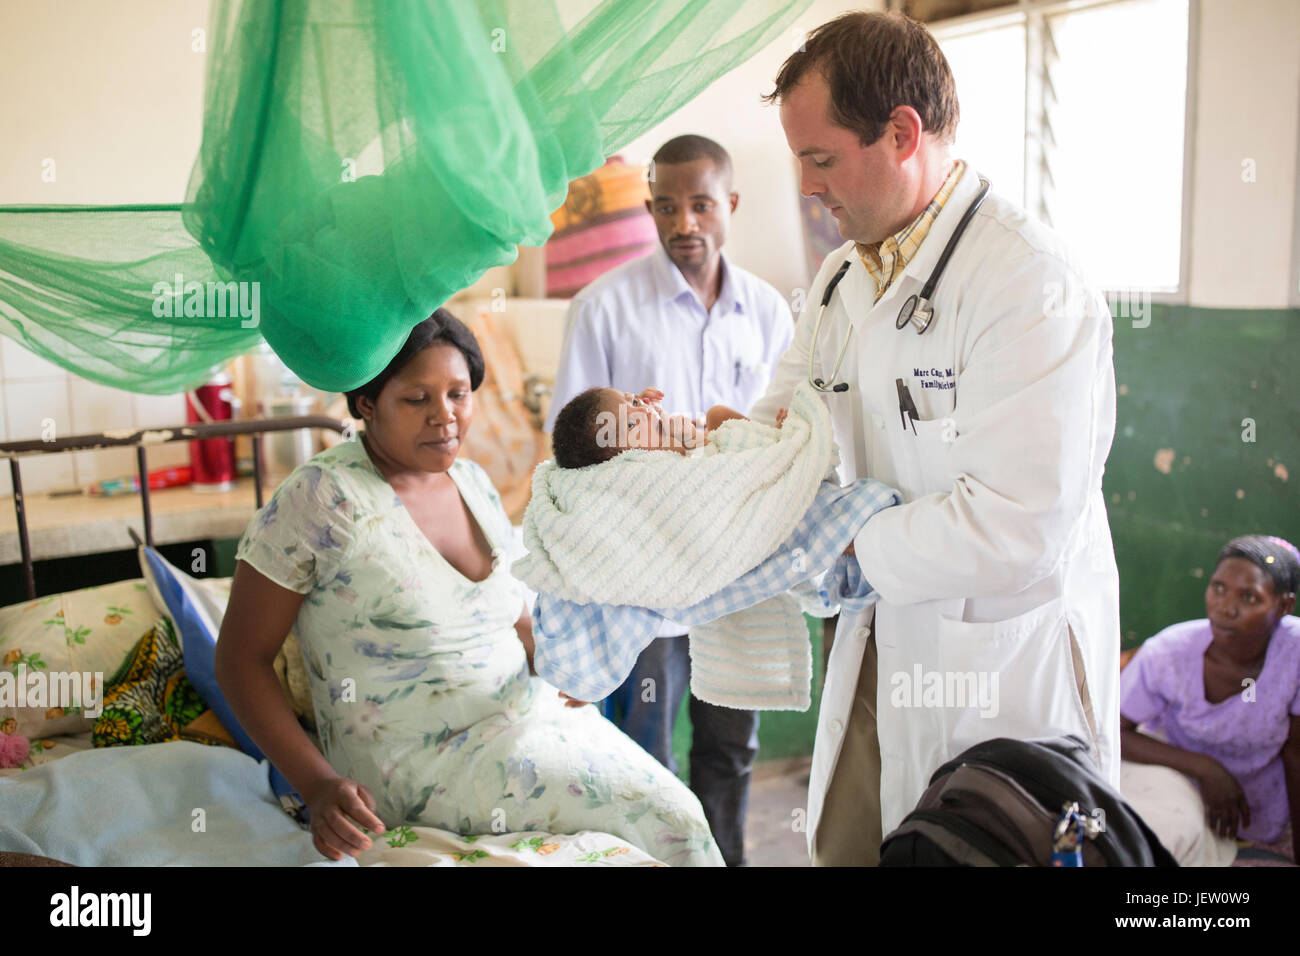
917 311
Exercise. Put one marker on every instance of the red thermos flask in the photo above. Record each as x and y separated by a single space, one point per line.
212 460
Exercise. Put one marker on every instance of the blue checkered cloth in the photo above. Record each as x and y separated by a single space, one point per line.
587 650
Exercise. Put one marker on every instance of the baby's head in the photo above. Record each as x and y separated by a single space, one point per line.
600 423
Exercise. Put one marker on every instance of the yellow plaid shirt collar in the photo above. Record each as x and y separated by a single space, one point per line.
886 260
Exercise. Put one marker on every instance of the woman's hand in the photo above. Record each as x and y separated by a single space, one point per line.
573 701
781 414
1225 801
524 629
338 807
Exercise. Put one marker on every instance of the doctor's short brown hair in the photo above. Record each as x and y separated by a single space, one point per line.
874 63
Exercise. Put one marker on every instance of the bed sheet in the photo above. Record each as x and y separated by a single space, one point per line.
111 807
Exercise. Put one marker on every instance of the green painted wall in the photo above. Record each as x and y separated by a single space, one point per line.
1186 383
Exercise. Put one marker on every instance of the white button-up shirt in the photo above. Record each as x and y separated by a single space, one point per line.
641 324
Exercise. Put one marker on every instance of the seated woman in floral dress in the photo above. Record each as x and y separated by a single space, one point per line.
385 555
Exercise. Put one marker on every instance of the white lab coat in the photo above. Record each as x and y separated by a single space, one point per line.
999 561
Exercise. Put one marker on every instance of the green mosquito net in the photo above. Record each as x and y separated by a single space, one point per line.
361 161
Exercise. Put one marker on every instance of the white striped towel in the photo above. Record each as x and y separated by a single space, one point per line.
655 529
749 644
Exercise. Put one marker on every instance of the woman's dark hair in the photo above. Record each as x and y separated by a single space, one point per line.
440 328
874 62
1274 556
574 437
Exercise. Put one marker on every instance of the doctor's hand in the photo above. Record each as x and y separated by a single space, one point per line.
339 808
573 701
719 414
1225 802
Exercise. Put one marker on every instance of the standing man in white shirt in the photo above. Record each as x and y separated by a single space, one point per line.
690 322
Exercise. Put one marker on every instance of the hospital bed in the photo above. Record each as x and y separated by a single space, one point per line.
181 802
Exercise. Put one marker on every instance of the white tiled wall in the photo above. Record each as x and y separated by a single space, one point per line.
161 411
32 405
35 393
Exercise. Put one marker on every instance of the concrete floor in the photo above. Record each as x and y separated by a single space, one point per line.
774 826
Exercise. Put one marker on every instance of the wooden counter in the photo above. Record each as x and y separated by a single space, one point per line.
84 524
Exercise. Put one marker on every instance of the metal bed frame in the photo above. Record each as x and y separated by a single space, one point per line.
141 440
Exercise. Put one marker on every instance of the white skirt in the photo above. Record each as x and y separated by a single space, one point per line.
1171 805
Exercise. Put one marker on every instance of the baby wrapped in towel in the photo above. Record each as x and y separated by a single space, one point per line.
600 423
715 541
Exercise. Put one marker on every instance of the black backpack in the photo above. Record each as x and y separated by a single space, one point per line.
998 803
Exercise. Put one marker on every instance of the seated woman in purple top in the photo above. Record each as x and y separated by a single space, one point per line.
1224 692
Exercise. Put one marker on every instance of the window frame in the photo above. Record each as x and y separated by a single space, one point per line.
1293 297
1033 15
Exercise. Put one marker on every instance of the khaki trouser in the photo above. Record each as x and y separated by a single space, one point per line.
848 832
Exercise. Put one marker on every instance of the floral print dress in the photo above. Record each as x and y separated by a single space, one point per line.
421 686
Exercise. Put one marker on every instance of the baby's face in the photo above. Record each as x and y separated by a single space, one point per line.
627 421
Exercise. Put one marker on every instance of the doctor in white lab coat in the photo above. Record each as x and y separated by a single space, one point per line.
999 609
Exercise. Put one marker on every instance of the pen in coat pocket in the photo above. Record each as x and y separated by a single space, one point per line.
906 406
